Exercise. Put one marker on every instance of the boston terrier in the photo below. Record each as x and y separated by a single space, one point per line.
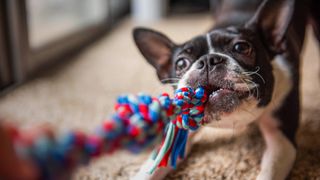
250 62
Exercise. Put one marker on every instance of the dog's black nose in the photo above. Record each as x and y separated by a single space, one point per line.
201 64
210 60
214 59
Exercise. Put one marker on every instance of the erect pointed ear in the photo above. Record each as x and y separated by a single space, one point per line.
272 19
156 48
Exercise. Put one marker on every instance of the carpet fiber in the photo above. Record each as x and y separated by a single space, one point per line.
81 93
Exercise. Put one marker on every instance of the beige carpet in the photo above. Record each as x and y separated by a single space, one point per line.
81 94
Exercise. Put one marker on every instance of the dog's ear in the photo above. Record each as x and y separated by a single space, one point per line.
272 19
156 48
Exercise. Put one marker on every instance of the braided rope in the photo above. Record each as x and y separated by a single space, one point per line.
137 123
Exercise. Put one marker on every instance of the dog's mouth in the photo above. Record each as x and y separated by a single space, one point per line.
227 99
215 91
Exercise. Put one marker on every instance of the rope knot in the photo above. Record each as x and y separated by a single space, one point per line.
189 107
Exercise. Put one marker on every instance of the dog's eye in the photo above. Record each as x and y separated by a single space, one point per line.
182 64
242 48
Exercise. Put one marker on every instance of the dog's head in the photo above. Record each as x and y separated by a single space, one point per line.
234 63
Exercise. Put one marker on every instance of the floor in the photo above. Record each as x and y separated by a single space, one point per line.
80 94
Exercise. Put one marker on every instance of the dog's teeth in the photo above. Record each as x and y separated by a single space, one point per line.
214 93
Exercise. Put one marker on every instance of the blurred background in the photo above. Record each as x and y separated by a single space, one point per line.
64 62
35 33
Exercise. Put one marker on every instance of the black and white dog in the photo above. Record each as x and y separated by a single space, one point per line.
250 62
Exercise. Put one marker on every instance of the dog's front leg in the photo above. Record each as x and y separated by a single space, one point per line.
280 153
162 172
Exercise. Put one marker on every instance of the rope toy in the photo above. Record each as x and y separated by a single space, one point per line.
138 121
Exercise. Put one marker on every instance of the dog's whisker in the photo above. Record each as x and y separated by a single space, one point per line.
252 72
259 75
249 73
250 85
255 87
167 80
172 84
246 86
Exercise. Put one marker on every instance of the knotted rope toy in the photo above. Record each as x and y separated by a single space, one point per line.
138 122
